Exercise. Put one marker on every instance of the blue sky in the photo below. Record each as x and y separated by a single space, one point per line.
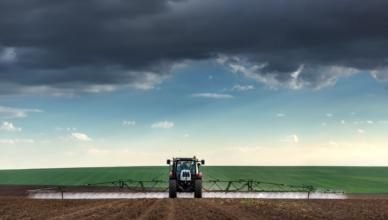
262 124
125 83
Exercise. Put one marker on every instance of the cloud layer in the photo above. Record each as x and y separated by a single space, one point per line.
162 124
292 138
61 51
239 88
125 123
9 127
7 112
213 95
12 141
82 137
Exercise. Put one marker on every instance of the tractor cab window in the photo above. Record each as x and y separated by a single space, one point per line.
186 165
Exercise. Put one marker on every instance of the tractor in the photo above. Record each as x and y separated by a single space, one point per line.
185 176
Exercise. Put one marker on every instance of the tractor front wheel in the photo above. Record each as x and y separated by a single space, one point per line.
172 189
198 188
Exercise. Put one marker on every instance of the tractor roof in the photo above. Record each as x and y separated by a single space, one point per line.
186 158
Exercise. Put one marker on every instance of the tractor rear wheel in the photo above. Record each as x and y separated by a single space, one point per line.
198 188
172 189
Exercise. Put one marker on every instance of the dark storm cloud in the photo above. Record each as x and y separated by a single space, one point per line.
73 45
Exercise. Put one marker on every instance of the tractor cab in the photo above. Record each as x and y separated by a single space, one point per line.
185 176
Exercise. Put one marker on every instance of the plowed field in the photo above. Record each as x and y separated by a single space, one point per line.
23 208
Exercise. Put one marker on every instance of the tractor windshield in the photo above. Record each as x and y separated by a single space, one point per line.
186 165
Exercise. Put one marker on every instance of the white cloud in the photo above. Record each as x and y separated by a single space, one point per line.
25 141
213 95
342 121
210 77
292 138
222 59
162 124
329 115
65 129
356 122
239 88
96 152
269 79
6 141
7 112
128 123
380 74
9 54
81 137
297 72
360 131
323 124
330 75
352 113
280 115
383 121
9 127
9 141
369 122
143 80
185 136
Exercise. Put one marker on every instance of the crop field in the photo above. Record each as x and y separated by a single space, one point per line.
349 179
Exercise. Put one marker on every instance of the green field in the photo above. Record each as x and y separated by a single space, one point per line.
350 179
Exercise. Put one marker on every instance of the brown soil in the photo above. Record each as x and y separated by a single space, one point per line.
23 208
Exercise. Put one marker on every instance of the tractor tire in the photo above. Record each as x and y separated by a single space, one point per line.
172 189
198 189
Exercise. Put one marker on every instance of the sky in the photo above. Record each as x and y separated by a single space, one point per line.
128 83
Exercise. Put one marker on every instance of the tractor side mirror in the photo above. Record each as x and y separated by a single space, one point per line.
168 161
203 162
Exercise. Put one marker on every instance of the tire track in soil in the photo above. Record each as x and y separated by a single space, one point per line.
134 210
53 213
90 211
126 210
230 210
158 210
172 208
198 209
41 209
110 211
162 209
120 211
182 211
